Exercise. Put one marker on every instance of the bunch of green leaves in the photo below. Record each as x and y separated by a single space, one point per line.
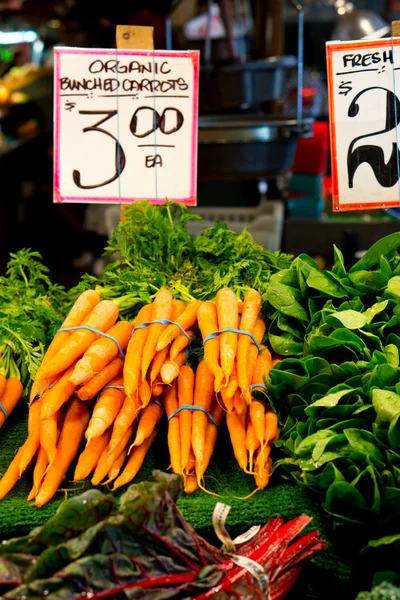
154 249
341 433
301 297
31 308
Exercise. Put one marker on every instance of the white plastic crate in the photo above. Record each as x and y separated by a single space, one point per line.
264 222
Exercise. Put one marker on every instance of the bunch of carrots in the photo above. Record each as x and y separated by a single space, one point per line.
109 382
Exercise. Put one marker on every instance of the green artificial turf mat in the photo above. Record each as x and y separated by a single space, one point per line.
17 516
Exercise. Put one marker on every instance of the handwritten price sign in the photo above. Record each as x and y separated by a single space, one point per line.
364 91
125 125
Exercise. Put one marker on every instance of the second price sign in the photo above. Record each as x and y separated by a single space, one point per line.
364 106
125 125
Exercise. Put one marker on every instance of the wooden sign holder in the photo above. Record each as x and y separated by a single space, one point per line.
131 37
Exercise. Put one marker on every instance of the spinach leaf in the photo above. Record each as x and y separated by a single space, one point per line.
393 286
386 404
384 247
351 319
326 283
287 300
374 310
285 344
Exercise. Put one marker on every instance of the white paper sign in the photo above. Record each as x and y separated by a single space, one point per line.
125 125
364 107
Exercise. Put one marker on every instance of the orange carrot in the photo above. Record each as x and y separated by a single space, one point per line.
162 309
180 343
186 320
108 457
12 474
237 434
271 426
101 353
49 436
257 416
263 467
211 436
11 396
238 403
263 366
102 317
105 412
251 310
83 306
55 397
170 397
185 398
170 370
123 422
89 458
133 359
39 386
38 473
135 461
252 443
101 380
73 430
2 383
116 467
232 385
160 357
144 393
191 483
227 312
158 387
258 332
207 316
32 443
203 396
147 421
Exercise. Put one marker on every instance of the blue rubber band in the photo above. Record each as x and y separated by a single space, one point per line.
107 335
155 401
191 407
163 322
37 397
4 411
113 387
231 330
258 385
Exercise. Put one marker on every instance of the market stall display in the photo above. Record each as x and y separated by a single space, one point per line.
334 388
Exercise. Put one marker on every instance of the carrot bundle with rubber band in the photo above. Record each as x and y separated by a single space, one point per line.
73 430
102 317
186 320
32 443
83 306
162 309
148 419
257 416
101 380
251 310
135 461
171 404
252 354
108 457
170 370
133 359
90 456
230 389
102 352
40 386
271 426
228 318
208 324
203 396
144 392
58 394
239 404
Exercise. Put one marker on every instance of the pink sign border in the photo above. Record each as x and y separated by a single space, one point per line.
193 55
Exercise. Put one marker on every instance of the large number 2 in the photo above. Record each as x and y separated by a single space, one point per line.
386 173
120 160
